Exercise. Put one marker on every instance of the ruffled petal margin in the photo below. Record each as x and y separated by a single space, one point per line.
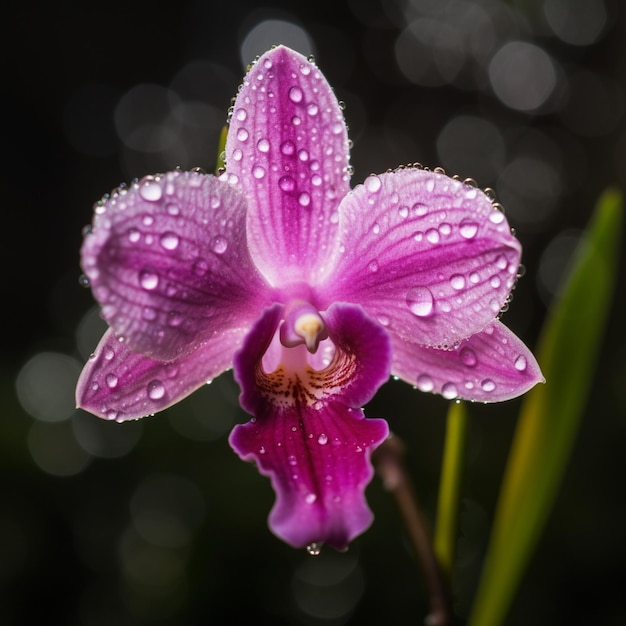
491 366
309 435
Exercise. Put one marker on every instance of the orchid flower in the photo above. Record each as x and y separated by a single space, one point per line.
315 293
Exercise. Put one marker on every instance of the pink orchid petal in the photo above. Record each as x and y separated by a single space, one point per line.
314 442
168 262
287 148
490 366
426 255
118 384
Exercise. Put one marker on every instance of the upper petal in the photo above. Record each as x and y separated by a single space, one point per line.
167 260
428 256
119 384
491 366
287 148
308 433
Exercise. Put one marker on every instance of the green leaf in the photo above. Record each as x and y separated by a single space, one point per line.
449 487
550 414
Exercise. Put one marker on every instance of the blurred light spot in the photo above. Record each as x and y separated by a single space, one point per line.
54 449
430 52
206 82
89 331
595 105
270 33
529 188
102 438
328 586
88 120
472 146
522 76
577 22
197 422
166 509
554 262
45 386
140 115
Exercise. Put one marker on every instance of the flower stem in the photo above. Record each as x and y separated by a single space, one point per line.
388 460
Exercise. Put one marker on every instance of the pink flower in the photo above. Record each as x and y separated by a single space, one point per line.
313 292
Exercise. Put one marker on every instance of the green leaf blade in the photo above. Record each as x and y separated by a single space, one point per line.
550 414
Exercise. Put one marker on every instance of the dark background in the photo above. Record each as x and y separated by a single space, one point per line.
158 522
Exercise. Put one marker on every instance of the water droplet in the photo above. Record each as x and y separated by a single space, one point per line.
288 147
501 262
83 281
457 281
169 240
134 235
148 279
373 266
474 278
468 356
156 390
494 305
432 235
173 209
420 301
322 439
304 199
149 313
174 318
496 217
488 384
495 282
303 155
200 267
373 183
296 121
109 353
376 228
449 391
258 172
316 180
242 134
261 450
291 459
151 191
241 115
287 183
219 245
312 108
314 549
295 94
263 145
425 383
430 184
147 220
403 211
445 229
310 498
111 381
468 229
521 363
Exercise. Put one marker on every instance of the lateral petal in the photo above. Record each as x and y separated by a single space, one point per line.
491 366
167 261
287 148
430 257
119 384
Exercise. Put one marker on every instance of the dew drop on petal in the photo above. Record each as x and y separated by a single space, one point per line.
241 115
432 235
169 240
420 301
304 199
288 147
496 217
242 134
219 245
111 381
134 235
263 145
449 391
151 191
373 184
468 229
295 94
488 385
521 363
287 183
314 549
291 459
312 108
468 356
258 172
457 281
156 390
310 498
322 439
200 267
425 383
148 279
